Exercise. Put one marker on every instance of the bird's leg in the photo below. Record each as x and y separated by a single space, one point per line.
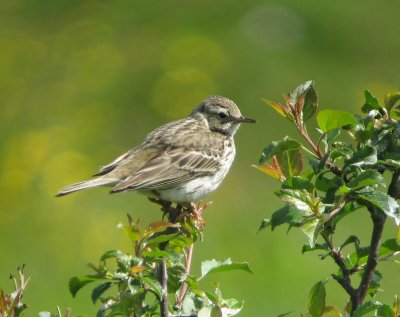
165 206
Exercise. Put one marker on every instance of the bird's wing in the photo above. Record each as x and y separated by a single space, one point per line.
146 151
189 157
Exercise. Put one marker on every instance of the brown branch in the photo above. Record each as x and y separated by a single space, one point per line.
163 277
378 219
344 281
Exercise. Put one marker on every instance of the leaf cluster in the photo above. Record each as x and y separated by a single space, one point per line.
349 165
130 285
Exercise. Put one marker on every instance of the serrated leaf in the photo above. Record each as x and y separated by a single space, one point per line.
312 229
290 162
316 299
213 266
277 107
383 202
352 239
77 282
332 119
153 284
367 155
366 178
278 147
99 290
310 103
304 98
301 199
317 246
298 182
371 103
365 308
287 214
271 170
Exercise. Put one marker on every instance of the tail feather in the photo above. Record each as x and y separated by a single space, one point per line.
86 184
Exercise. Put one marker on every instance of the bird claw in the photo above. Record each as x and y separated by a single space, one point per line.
182 210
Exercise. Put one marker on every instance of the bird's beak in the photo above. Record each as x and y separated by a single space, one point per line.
245 120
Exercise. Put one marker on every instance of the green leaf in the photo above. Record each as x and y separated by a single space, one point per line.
157 239
365 308
312 229
352 239
366 178
301 199
304 99
112 254
385 311
375 283
153 284
290 162
391 99
298 182
316 299
77 282
287 214
310 102
132 230
213 266
216 311
384 203
367 155
317 246
264 224
278 147
371 103
333 119
99 290
388 247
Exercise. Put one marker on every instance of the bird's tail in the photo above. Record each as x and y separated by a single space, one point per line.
100 181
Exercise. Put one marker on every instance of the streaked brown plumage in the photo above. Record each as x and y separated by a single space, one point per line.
181 161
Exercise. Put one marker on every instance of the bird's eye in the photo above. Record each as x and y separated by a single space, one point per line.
222 115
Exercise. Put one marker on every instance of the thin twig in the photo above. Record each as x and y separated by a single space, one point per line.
344 281
184 287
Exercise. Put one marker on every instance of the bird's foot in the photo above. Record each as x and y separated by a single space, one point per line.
166 207
195 211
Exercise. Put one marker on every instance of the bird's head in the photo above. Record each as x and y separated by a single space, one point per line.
221 114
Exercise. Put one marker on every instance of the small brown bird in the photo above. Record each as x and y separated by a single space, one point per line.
182 161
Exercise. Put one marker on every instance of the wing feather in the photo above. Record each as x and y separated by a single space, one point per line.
188 158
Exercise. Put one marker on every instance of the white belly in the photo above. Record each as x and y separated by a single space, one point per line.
198 188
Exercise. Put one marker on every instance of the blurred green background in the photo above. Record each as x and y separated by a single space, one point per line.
83 81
